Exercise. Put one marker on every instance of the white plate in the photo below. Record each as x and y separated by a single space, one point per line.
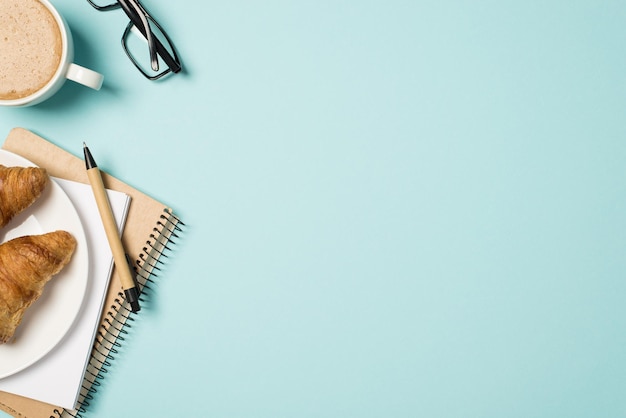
46 321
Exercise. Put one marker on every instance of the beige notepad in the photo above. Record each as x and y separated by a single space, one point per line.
149 228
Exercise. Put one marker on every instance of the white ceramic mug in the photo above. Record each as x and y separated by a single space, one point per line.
66 69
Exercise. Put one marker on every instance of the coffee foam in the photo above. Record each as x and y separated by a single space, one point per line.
30 47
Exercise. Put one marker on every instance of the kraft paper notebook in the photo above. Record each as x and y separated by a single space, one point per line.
148 232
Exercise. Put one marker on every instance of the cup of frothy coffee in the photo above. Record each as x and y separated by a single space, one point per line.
36 53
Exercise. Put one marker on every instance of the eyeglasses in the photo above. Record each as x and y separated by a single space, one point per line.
161 58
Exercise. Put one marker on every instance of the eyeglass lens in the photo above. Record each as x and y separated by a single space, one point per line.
136 46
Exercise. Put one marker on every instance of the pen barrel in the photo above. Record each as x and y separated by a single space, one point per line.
110 228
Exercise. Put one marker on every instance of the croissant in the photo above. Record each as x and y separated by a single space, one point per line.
19 188
26 265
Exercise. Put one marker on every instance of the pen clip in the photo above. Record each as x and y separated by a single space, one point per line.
132 294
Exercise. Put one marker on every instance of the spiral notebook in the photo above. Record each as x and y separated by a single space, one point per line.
149 232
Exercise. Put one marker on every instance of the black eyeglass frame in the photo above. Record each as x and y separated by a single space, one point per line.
141 19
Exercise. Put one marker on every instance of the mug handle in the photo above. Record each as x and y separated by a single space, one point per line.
84 76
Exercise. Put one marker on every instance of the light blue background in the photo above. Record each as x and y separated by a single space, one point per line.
394 208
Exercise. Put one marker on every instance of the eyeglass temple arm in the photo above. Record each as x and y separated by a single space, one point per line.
106 8
171 62
138 16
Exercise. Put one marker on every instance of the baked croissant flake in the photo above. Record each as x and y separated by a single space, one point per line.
19 188
26 265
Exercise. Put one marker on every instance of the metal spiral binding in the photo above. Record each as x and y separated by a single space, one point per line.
117 320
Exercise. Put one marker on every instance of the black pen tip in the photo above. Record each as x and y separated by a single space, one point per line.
89 161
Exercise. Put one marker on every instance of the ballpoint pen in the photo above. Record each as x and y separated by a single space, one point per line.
112 233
